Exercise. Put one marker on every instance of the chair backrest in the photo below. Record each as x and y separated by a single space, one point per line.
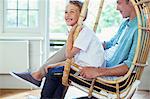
142 8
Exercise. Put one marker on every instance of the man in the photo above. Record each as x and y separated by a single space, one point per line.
118 69
122 47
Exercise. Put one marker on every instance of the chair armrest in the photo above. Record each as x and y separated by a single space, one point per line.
141 65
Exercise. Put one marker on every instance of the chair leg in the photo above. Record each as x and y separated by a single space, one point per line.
86 97
130 97
133 89
64 93
117 91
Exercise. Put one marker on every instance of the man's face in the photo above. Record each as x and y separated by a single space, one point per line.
124 8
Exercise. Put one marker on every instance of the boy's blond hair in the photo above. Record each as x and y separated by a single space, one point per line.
79 4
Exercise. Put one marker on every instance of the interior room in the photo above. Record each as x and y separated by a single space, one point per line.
33 30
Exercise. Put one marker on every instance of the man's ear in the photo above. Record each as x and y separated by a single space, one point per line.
130 3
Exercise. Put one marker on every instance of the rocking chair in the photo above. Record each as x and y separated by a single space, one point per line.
125 86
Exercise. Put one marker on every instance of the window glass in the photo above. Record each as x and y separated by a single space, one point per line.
11 18
33 18
23 4
57 22
12 4
33 4
22 19
22 13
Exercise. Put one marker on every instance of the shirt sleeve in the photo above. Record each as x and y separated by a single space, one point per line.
129 60
84 38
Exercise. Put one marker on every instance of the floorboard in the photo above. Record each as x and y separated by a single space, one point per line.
72 93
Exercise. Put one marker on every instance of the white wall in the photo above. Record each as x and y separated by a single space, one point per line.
38 50
35 61
14 55
1 15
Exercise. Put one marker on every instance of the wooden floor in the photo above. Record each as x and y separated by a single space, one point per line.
17 94
34 94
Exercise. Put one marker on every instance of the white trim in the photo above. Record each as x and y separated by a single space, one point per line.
28 54
46 33
44 15
41 15
22 30
1 16
21 38
41 53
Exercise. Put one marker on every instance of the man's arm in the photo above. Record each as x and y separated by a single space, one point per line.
92 72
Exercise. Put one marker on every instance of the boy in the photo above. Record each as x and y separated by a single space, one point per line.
87 50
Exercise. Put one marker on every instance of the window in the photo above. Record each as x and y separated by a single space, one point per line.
21 14
108 23
56 18
57 25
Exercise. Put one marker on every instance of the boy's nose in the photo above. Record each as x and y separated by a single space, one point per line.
68 14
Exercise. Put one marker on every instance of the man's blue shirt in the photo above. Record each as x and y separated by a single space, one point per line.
127 46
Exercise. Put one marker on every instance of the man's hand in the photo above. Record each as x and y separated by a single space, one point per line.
93 72
89 72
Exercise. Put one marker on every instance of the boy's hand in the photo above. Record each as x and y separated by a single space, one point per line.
48 67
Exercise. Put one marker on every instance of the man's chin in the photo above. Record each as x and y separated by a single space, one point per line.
125 16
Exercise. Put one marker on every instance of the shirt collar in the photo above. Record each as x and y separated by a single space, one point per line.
132 22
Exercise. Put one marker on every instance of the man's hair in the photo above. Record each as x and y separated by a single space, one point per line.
140 5
79 4
127 1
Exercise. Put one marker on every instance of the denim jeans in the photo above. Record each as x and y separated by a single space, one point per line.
53 88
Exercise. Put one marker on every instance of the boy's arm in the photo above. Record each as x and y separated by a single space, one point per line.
70 50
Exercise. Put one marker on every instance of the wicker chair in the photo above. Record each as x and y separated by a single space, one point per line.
125 86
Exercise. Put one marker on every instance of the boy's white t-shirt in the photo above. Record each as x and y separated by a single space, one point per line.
91 49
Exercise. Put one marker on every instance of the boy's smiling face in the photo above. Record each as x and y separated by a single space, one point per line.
72 14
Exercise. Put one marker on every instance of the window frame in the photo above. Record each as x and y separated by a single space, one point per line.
1 16
26 30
